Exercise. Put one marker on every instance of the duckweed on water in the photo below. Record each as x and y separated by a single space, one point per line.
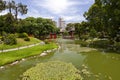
54 70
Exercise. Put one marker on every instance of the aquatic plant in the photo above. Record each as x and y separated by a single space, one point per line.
53 70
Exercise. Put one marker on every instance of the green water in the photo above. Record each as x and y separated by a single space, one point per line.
97 65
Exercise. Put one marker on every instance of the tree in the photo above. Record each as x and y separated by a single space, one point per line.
104 17
10 5
1 24
2 5
8 23
20 8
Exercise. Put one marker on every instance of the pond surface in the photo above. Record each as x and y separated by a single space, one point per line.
95 65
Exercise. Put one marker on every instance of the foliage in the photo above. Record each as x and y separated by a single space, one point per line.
39 27
19 41
100 44
65 33
46 41
116 47
9 39
27 39
104 17
8 57
54 70
22 35
2 5
82 43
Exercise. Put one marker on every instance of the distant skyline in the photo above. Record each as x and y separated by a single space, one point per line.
70 10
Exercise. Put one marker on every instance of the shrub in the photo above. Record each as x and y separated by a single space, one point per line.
46 41
82 43
117 46
84 37
100 44
54 70
23 35
27 39
10 39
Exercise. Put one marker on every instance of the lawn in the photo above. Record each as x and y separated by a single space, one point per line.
12 56
20 42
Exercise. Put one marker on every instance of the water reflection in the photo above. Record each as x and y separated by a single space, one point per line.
96 65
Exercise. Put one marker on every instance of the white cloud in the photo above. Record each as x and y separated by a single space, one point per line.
67 9
55 6
70 10
3 12
75 18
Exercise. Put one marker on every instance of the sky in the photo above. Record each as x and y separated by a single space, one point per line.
69 10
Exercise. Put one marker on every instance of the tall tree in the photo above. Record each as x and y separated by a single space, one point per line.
20 8
10 5
2 5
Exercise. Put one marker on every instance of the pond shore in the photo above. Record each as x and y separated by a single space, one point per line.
19 55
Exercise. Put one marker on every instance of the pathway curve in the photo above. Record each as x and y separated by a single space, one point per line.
23 47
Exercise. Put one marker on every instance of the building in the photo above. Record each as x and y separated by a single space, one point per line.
62 24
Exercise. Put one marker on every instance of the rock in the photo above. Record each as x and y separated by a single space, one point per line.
43 54
23 59
86 67
48 51
14 62
2 67
83 65
42 43
59 47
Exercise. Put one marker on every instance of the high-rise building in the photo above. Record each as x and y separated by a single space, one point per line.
61 23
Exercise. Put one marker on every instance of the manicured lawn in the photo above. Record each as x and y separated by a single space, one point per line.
20 42
12 56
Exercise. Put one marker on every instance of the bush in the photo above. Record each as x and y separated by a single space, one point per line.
27 39
22 35
117 46
82 43
100 44
54 70
46 41
9 39
84 37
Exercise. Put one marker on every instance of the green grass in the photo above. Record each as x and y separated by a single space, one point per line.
53 70
12 56
20 42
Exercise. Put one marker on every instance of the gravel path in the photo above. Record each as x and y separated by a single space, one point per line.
23 47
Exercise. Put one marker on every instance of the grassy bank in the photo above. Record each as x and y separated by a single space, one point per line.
20 42
12 56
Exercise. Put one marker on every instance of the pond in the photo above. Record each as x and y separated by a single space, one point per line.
95 65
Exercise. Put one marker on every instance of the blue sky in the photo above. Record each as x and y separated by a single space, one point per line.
70 10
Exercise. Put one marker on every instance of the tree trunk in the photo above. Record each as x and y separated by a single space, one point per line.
16 12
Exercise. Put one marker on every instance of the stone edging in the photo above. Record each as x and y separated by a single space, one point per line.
44 53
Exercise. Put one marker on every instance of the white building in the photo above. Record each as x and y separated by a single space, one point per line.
62 24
